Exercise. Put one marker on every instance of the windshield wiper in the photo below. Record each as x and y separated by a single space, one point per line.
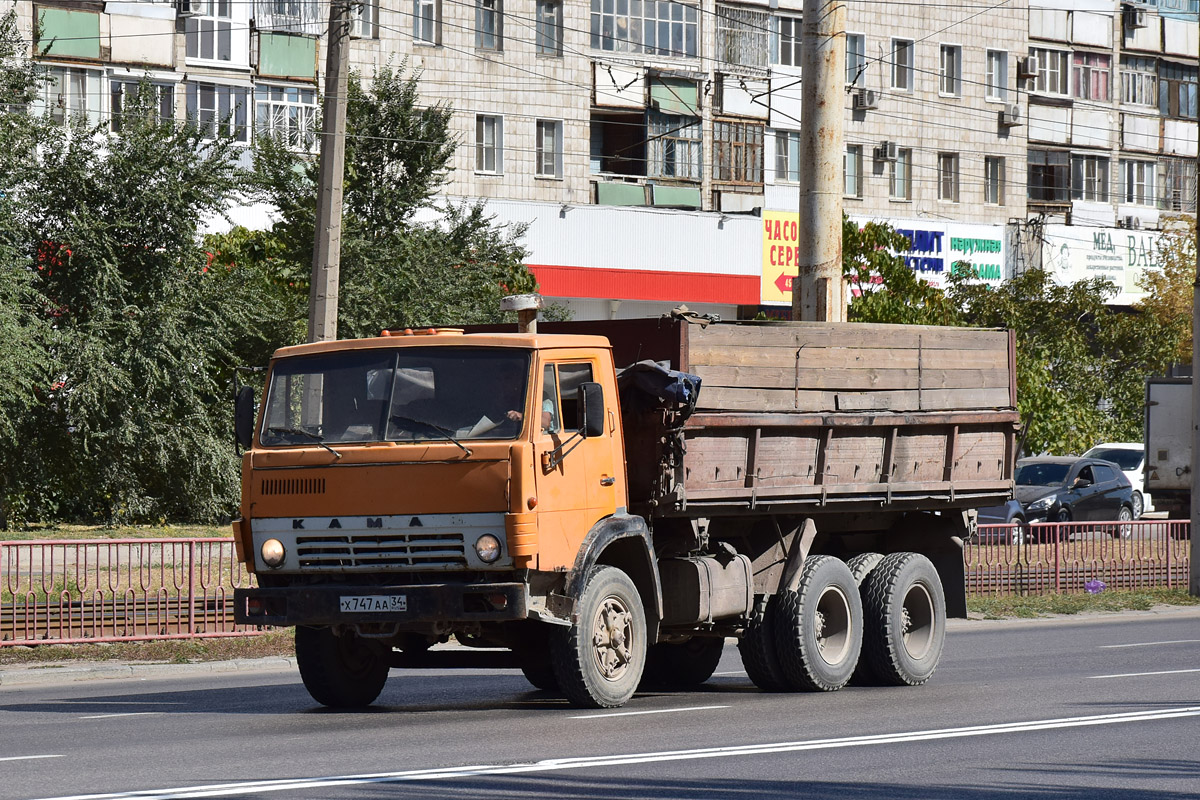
312 437
400 419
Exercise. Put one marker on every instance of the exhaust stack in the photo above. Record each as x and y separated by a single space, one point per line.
526 306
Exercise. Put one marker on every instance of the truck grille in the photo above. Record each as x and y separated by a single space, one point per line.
382 551
274 486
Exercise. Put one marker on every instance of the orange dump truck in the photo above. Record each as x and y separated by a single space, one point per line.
602 504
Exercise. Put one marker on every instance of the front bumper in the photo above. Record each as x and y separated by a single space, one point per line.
321 605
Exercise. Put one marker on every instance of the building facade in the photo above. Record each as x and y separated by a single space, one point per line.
652 147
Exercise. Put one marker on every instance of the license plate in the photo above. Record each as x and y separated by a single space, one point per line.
374 602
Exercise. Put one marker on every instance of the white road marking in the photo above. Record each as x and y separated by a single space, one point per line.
1143 674
636 713
735 672
591 762
1151 644
26 758
126 714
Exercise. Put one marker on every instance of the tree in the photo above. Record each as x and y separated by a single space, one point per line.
884 288
1169 290
406 260
131 419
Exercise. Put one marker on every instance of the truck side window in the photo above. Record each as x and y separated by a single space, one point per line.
549 400
570 377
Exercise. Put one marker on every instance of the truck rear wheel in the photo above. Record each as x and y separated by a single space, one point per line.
344 671
819 627
905 615
685 665
599 660
757 647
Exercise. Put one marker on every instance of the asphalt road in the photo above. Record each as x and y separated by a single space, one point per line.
1102 708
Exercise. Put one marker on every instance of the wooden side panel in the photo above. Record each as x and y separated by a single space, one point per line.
815 367
920 457
980 455
787 458
717 460
855 458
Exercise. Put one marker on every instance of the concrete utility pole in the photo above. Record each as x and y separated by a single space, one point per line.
327 247
817 292
1194 568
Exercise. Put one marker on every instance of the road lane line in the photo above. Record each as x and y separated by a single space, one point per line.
1151 644
590 762
26 758
126 714
636 713
1143 674
735 672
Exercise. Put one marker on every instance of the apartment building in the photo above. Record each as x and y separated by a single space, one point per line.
652 146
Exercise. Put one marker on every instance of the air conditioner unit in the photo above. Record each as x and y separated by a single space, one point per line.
1135 17
1010 116
865 99
1131 222
887 151
191 8
1027 67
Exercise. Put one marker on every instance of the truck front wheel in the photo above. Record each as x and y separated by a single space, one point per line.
819 627
343 671
905 612
599 659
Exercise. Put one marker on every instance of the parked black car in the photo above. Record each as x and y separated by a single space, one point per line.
1069 489
1011 513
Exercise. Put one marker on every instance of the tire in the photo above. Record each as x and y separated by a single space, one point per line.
819 627
682 666
533 650
541 676
905 620
1120 530
862 564
598 661
757 647
1020 533
344 671
1139 505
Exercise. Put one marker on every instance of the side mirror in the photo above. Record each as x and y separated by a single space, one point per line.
243 416
1082 483
591 410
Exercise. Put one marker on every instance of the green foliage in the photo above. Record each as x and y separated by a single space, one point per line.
884 288
403 261
1169 297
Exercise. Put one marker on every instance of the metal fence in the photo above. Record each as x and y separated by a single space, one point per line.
1075 557
137 589
118 590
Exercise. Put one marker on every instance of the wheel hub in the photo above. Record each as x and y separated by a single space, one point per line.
612 635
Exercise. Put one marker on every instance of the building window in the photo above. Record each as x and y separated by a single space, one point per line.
209 31
287 112
1053 71
1089 178
218 109
549 148
124 95
996 78
365 19
1049 176
1137 183
743 36
856 58
902 64
288 16
787 156
948 177
738 152
427 26
1091 76
993 180
900 179
950 72
1177 90
489 143
852 171
643 26
66 94
549 27
489 22
675 146
1177 184
785 41
1139 81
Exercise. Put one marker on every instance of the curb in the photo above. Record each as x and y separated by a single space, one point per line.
43 674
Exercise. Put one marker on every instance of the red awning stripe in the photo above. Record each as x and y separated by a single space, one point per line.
632 284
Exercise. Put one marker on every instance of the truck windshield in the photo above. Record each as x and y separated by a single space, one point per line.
406 394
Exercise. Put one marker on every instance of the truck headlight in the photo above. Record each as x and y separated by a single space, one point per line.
272 553
487 547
